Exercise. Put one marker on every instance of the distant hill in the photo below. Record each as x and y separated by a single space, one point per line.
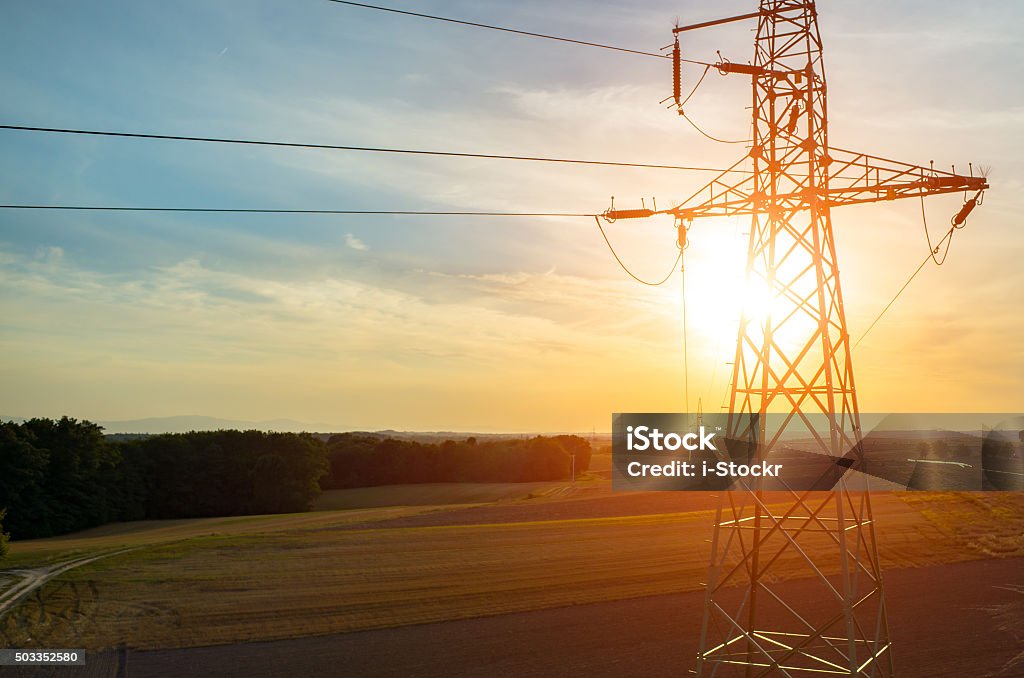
195 422
185 423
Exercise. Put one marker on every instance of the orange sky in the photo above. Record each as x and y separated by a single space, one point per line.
480 325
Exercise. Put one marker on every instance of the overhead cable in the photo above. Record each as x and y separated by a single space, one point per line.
625 268
931 256
504 29
367 149
232 210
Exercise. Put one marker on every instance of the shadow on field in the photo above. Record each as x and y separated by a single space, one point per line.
961 619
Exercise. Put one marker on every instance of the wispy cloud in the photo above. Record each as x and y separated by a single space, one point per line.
443 322
75 324
355 243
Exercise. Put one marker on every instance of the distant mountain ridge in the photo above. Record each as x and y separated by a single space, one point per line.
194 422
185 423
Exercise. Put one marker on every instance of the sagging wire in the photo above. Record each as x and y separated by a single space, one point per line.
693 91
679 104
722 358
709 136
626 268
933 251
682 227
682 243
957 222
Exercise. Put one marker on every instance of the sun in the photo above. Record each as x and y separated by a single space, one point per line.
716 289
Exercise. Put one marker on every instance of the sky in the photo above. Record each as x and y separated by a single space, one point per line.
442 323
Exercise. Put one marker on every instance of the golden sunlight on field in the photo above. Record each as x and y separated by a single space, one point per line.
218 581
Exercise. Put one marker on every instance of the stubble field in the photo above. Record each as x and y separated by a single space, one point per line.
216 581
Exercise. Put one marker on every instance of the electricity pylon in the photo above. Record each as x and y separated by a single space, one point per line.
793 356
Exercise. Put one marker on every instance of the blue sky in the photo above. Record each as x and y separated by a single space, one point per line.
465 323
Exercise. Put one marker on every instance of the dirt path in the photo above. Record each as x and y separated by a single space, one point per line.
27 581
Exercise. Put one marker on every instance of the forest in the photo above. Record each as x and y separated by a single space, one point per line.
61 476
360 460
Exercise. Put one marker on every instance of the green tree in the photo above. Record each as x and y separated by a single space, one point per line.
80 463
23 481
3 535
299 462
576 447
271 492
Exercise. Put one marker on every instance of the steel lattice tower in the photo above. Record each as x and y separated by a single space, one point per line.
794 585
794 352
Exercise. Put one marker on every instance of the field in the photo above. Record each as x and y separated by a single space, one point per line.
967 631
431 494
484 552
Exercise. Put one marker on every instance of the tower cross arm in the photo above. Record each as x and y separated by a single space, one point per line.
835 178
855 178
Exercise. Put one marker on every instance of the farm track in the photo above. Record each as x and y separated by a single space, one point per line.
33 579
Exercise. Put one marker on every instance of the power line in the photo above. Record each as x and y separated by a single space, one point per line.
928 238
931 255
695 87
626 268
531 34
367 149
686 349
689 96
712 138
216 210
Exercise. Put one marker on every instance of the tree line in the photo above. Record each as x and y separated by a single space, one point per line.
60 476
3 535
359 460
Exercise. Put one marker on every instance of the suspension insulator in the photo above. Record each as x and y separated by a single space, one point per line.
613 215
794 117
676 73
947 182
681 228
729 67
960 217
